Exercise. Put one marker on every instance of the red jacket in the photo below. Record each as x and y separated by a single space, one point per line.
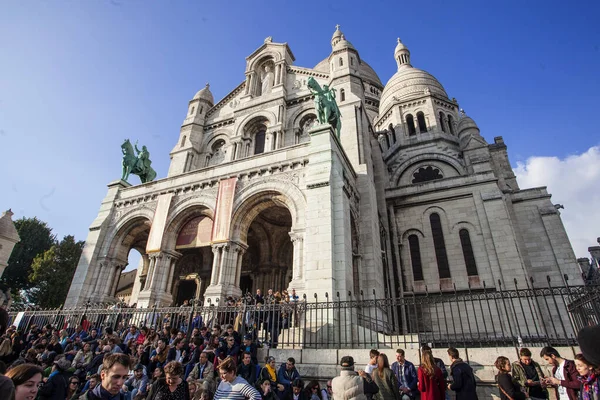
570 382
432 387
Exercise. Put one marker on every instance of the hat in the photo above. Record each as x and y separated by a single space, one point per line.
63 364
248 337
589 345
138 367
347 362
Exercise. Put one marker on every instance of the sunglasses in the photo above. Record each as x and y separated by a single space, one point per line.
74 383
328 386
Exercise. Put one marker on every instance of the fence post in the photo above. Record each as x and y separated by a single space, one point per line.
562 324
189 327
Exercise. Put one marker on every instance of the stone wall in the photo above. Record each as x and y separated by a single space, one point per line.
322 364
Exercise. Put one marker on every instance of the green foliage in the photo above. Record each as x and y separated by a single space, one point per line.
36 237
52 273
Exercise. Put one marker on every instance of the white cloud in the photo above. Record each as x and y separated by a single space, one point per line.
575 183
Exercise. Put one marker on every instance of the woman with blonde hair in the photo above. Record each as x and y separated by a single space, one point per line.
386 380
430 379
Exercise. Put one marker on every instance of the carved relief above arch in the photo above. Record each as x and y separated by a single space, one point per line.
447 165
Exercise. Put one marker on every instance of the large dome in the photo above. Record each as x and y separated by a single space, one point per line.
406 83
365 69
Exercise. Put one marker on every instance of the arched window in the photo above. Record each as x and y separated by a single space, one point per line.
183 140
467 249
410 123
391 129
192 110
442 125
341 62
439 246
415 257
451 124
342 95
259 142
421 122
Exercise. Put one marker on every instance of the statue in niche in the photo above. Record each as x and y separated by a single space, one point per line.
267 79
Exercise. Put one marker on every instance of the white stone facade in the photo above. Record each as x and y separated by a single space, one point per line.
411 198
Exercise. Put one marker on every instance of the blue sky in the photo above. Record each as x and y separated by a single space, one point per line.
78 77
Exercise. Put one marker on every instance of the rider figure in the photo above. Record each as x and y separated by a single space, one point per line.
144 162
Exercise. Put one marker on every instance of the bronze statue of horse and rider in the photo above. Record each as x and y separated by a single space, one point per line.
325 105
138 165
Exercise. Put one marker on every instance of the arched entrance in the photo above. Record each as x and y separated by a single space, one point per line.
192 271
132 234
268 261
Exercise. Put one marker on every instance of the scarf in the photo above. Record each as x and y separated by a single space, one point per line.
271 372
590 386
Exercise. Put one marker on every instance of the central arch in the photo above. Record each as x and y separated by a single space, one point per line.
263 222
188 234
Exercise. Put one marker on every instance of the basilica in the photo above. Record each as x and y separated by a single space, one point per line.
407 198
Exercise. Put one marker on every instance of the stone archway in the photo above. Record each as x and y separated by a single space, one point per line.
131 234
268 260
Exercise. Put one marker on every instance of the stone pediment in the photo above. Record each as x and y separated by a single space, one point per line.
475 142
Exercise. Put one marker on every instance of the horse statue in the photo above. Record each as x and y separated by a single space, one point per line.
325 105
138 165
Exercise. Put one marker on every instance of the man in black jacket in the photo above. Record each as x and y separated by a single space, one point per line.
57 384
463 379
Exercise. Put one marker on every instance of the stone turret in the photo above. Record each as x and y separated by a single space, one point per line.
185 154
8 238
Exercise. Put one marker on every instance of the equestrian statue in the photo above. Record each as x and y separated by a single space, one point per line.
138 165
325 105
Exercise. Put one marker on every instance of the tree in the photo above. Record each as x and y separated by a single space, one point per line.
52 273
36 237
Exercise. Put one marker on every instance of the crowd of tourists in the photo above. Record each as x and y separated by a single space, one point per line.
220 364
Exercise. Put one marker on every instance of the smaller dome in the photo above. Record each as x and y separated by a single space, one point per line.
337 34
343 44
400 46
205 94
465 122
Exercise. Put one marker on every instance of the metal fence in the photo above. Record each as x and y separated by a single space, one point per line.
474 318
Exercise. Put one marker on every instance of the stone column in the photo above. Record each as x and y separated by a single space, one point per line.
150 273
269 141
239 250
298 263
216 263
160 274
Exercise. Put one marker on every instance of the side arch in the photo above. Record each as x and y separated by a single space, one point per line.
130 223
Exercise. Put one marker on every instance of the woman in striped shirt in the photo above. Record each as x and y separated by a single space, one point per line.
233 387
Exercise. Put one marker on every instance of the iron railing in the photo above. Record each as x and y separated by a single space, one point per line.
480 317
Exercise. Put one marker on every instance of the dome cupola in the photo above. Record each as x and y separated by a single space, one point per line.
337 36
402 55
205 94
408 82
